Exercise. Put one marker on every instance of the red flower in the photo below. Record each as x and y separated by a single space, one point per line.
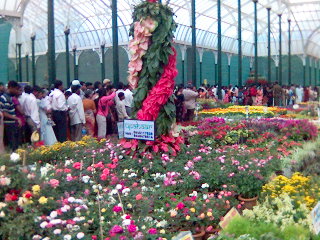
152 231
117 209
132 228
152 1
27 194
139 197
180 205
10 197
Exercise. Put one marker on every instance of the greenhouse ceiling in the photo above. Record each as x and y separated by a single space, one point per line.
90 24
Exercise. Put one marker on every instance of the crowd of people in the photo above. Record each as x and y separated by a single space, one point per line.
60 114
266 95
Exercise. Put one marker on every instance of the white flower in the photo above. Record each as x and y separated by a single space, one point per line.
43 224
126 222
53 214
114 192
57 231
2 205
125 171
71 199
85 179
36 237
2 214
56 221
2 168
119 187
46 238
205 185
67 237
80 235
126 191
193 194
65 208
14 157
43 171
142 181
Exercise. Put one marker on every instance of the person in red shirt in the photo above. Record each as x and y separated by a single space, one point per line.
253 94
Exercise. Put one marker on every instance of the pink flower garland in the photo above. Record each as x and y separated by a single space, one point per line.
138 47
161 92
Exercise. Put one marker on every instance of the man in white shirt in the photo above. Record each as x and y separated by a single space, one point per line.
128 97
59 111
128 101
121 108
76 114
31 109
190 97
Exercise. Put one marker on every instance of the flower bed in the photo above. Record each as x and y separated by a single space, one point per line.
242 111
99 190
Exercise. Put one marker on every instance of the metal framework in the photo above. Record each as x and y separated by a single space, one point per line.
90 22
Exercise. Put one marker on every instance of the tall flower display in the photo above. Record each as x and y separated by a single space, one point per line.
152 68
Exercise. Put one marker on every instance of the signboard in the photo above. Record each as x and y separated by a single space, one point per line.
120 130
228 217
315 216
142 130
187 235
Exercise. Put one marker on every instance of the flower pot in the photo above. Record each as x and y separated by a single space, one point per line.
249 203
200 235
214 232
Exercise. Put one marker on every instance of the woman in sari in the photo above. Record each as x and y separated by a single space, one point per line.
89 107
259 97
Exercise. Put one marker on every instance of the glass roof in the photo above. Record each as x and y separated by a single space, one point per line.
90 23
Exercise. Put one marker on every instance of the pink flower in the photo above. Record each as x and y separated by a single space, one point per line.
152 231
77 165
116 229
117 209
180 205
132 228
69 178
54 183
138 197
231 175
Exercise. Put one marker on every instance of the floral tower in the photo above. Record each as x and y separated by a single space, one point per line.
152 68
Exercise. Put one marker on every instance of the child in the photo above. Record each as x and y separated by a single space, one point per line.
121 108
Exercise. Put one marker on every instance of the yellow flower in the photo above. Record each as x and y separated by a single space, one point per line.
209 214
162 231
187 217
192 210
36 189
103 210
43 200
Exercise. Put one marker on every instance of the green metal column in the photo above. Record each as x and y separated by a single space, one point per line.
219 50
75 63
310 70
33 38
239 45
201 72
304 73
115 46
280 50
183 82
315 72
269 45
277 73
229 75
103 68
19 62
27 67
215 73
194 43
255 41
289 52
51 44
67 32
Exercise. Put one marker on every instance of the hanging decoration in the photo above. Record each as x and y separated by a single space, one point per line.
152 68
